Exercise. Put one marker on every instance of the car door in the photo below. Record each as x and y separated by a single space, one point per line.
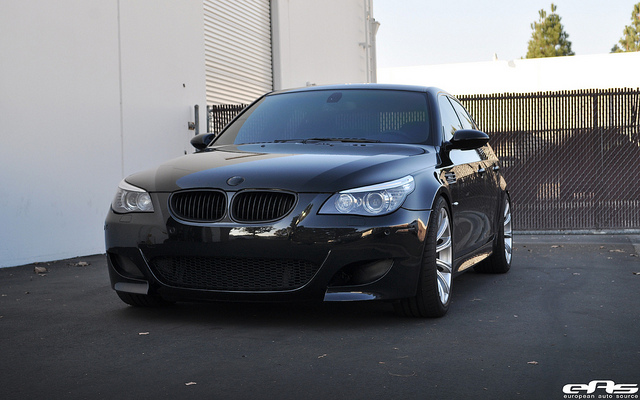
463 172
488 171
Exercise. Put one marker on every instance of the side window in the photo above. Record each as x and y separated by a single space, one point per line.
467 122
450 124
450 121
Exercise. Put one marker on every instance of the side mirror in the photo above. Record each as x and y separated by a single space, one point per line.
202 140
468 139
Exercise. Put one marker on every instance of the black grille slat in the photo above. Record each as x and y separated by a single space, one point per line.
248 206
200 211
233 274
199 206
258 206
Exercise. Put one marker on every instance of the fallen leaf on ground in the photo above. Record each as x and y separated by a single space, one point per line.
40 270
79 264
190 383
322 356
555 246
533 362
616 251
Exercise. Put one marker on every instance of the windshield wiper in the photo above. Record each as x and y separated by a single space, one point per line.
344 140
288 140
328 139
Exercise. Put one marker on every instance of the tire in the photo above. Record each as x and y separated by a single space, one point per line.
500 260
433 296
142 300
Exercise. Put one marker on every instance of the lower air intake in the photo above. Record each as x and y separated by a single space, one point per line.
233 274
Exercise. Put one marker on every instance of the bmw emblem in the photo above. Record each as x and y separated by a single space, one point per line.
235 180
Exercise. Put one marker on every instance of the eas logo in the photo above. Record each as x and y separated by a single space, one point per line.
609 386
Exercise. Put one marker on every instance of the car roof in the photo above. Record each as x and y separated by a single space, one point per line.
364 86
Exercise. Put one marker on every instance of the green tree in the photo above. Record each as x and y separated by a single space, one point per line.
548 38
631 39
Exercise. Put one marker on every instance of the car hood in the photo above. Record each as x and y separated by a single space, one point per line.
300 167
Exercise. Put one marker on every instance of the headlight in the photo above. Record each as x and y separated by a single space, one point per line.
131 199
378 199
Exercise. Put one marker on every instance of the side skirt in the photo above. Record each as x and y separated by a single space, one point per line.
474 257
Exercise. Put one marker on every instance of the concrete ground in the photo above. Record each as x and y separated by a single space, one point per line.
567 313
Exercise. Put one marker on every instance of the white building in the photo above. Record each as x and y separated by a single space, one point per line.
93 90
602 71
254 46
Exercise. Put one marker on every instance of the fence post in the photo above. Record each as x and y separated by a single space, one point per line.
208 119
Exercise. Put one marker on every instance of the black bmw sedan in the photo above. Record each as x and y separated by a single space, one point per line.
328 193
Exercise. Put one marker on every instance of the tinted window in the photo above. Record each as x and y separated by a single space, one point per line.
485 152
450 124
450 121
377 115
467 122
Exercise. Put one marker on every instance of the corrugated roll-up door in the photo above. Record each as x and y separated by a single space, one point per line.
237 50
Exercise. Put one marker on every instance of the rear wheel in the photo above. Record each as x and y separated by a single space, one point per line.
142 300
434 286
500 260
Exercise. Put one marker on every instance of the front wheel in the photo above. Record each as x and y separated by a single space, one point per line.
434 286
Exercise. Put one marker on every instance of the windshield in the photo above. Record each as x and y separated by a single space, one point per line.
351 115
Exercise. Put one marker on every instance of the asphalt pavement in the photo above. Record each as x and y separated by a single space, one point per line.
565 316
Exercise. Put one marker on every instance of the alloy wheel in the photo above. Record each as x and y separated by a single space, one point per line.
444 256
508 233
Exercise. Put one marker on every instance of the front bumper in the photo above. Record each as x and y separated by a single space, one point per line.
305 256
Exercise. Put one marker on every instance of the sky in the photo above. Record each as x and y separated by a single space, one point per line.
426 32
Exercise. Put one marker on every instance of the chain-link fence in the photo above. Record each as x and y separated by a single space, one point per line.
218 116
571 159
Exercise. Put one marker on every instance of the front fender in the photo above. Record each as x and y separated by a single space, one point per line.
428 186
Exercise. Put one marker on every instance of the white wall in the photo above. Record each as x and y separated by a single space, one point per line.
162 59
321 42
601 71
90 91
